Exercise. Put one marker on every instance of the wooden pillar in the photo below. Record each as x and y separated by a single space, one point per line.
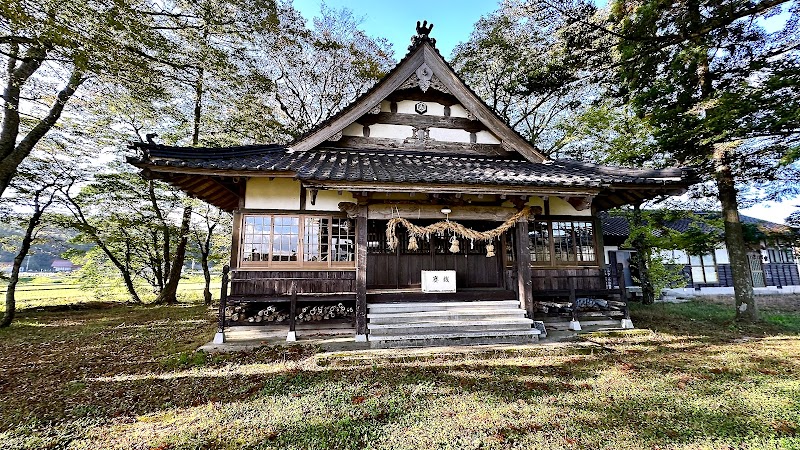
573 298
236 238
219 337
292 335
361 274
524 281
623 292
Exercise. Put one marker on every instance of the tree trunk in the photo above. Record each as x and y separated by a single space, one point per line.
206 275
13 150
169 294
198 104
11 302
161 273
642 258
746 308
86 227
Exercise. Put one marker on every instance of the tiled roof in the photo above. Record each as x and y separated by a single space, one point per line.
328 164
617 226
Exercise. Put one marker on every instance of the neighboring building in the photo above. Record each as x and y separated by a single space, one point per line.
312 216
773 261
63 265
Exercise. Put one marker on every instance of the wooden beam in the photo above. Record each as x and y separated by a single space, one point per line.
419 121
394 145
415 94
487 213
235 239
365 187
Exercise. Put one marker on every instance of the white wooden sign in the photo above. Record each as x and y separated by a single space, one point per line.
438 281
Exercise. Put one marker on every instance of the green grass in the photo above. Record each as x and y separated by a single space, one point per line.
61 290
126 377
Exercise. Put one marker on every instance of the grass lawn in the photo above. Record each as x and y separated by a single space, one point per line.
125 377
59 289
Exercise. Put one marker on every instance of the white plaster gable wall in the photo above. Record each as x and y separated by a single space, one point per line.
383 130
407 107
458 111
559 207
276 193
354 129
328 200
486 137
449 135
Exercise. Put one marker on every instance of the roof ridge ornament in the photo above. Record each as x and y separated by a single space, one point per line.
423 32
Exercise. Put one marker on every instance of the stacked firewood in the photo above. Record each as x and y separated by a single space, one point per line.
242 314
320 312
552 307
566 307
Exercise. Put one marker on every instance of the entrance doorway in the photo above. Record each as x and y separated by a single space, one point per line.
402 267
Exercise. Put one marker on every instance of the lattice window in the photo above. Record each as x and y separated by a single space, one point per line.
297 240
539 236
562 242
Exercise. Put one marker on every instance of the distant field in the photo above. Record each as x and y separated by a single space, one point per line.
59 289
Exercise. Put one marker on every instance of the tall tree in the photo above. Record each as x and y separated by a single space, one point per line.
211 234
33 191
51 49
515 61
723 94
312 72
132 221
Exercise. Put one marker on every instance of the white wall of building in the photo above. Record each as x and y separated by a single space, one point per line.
275 193
328 200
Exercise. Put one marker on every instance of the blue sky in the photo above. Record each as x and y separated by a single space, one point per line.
453 22
396 20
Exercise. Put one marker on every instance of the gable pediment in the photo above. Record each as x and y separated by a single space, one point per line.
421 105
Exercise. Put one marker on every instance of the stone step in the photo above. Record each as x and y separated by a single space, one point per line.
457 314
440 306
450 326
455 338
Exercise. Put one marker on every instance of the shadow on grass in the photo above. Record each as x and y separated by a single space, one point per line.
665 387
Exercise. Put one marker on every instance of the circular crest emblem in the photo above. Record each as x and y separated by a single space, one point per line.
421 108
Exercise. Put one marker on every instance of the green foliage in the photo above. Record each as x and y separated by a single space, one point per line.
132 223
608 134
664 274
515 61
723 75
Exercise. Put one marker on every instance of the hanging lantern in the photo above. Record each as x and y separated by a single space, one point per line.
454 245
412 243
489 250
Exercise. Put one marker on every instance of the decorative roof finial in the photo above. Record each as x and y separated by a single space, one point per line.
423 30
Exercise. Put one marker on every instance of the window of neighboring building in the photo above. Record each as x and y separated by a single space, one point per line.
297 240
780 255
704 268
560 242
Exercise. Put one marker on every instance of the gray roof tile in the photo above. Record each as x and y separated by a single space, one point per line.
330 164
